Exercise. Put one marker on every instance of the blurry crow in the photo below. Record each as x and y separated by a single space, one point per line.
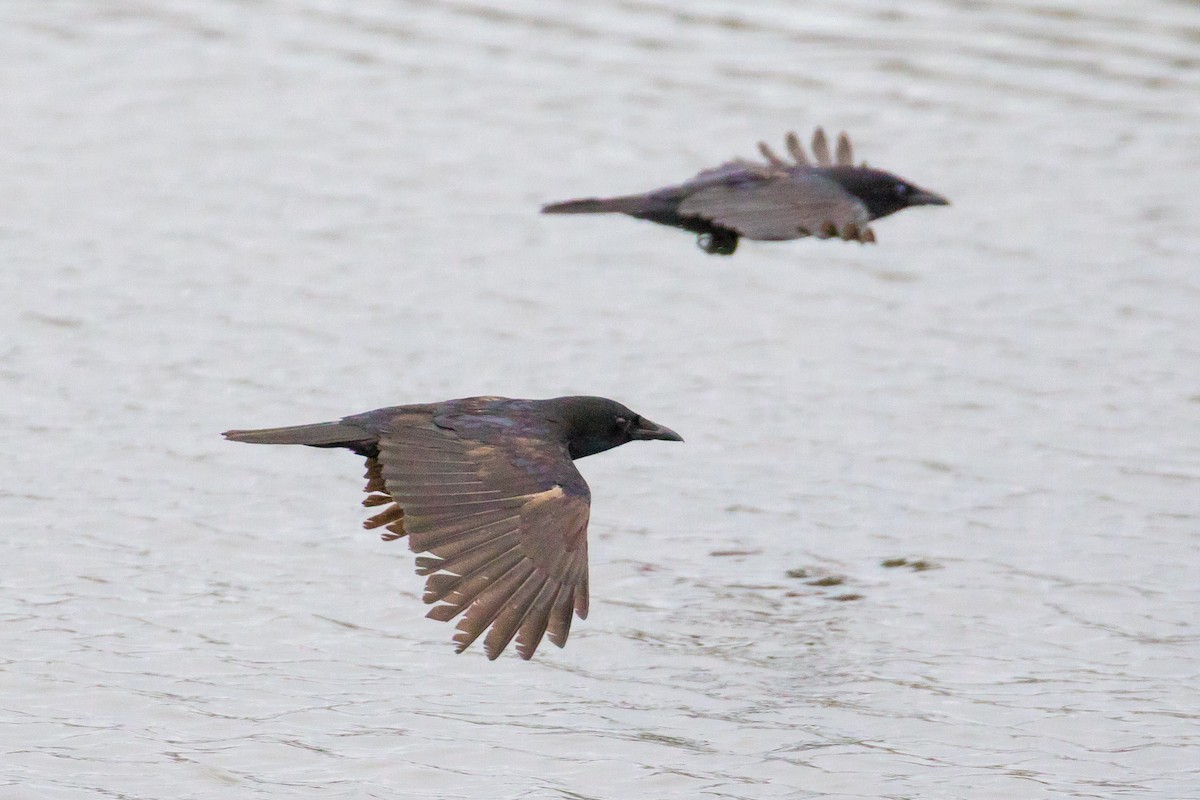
486 486
772 201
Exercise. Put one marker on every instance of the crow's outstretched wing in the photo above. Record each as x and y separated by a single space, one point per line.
779 203
780 199
501 512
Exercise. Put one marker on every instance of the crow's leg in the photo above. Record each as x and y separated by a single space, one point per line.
718 241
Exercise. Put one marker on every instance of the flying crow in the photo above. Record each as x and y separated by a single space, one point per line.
771 201
487 488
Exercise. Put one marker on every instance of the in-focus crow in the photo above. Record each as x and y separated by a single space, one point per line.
771 201
487 487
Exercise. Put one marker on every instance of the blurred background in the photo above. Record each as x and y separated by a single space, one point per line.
935 531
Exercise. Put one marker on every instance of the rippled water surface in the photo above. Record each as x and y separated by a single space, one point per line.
935 532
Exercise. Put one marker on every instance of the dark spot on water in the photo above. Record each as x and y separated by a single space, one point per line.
916 564
829 580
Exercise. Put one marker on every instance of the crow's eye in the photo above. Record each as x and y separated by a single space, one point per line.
901 189
622 423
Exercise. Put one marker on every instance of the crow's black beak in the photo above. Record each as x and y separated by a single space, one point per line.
923 198
649 430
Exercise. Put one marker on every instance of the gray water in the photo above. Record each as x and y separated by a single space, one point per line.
235 214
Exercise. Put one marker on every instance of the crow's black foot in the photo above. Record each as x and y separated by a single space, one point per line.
718 243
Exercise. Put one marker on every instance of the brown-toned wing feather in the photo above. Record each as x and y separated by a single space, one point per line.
845 151
772 158
820 146
796 149
787 205
504 523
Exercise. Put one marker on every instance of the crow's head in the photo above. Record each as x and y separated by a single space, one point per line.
882 192
594 424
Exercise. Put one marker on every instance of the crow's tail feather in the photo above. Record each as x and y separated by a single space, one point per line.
596 205
322 434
